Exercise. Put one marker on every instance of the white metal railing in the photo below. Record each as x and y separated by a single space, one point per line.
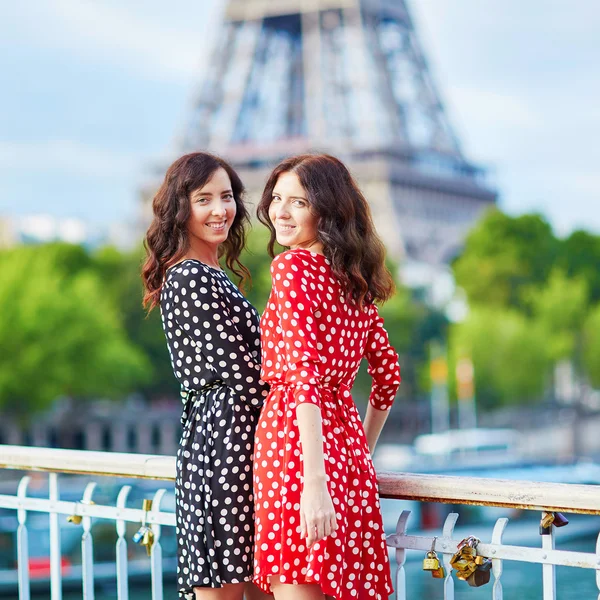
533 496
82 512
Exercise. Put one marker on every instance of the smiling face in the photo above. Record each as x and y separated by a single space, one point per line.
213 210
291 215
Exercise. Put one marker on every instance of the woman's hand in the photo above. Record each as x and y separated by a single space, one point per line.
317 514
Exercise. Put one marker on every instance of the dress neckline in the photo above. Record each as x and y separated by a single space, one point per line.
306 250
196 261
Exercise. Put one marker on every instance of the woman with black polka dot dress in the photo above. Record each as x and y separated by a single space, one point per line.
319 531
214 342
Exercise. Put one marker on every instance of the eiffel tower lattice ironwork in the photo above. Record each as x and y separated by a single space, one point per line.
348 77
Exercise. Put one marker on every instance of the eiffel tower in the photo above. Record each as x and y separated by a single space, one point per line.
348 77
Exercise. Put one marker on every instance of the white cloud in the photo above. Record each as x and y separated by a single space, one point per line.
490 107
521 83
519 79
495 121
148 39
67 156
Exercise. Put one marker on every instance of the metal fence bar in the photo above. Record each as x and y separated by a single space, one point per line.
598 563
566 558
447 532
62 507
87 547
497 592
548 569
121 548
84 462
23 544
55 551
401 557
478 491
156 552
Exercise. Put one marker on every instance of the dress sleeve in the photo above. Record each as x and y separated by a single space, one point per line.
383 364
203 313
295 297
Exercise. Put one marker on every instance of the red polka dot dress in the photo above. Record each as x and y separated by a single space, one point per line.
313 341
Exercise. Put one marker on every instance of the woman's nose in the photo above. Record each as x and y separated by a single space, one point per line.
218 208
282 211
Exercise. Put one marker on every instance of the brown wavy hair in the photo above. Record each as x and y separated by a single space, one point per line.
167 238
345 225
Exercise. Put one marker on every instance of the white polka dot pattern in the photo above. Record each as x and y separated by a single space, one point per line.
313 341
213 339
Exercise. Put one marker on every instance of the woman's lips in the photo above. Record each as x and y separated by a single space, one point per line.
217 226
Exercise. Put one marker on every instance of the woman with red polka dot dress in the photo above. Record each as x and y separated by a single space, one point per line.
318 525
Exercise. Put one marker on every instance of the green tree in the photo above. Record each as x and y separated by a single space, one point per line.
509 353
580 257
258 262
59 334
591 346
503 257
560 308
121 276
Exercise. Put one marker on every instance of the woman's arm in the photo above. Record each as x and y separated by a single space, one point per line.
374 421
317 514
385 371
296 300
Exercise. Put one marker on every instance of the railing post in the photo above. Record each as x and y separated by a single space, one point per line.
121 548
548 570
23 543
598 564
55 550
497 593
447 533
87 547
156 552
401 557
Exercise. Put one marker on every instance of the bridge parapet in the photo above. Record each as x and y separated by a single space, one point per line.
523 495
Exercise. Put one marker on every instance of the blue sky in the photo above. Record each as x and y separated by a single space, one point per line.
95 91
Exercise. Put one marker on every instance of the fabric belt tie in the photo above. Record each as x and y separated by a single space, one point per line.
339 395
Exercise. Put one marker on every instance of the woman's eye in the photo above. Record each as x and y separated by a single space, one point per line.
228 197
201 200
275 199
300 203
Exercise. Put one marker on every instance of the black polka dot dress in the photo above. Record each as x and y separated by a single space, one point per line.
213 338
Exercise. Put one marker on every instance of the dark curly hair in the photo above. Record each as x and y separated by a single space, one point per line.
167 240
345 226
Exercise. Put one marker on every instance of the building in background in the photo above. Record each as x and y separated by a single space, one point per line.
348 77
7 233
40 229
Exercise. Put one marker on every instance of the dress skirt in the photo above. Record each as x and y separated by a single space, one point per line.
213 489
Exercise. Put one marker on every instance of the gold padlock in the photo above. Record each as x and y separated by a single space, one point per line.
481 575
460 562
431 562
76 519
148 540
439 573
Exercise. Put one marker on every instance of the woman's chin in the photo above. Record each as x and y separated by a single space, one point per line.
215 239
284 240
